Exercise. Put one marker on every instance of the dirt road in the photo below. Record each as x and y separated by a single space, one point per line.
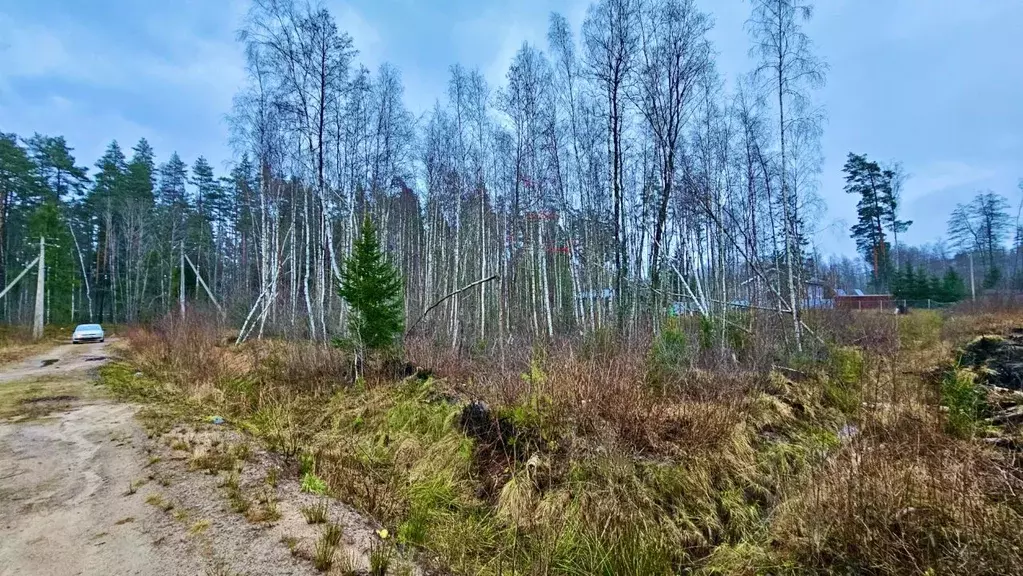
85 491
64 475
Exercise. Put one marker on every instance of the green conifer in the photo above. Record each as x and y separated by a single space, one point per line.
372 287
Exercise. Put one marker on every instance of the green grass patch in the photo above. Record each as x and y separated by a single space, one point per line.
920 328
313 484
964 401
843 378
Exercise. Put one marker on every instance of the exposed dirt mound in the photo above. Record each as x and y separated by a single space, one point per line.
997 360
998 363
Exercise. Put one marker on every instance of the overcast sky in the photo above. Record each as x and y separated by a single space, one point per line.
934 84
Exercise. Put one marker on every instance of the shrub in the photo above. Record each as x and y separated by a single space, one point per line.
707 333
898 504
671 349
598 342
579 466
845 371
963 399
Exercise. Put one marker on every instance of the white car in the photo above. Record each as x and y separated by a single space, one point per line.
88 333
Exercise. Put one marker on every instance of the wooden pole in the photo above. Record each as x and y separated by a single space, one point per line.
973 284
181 282
37 327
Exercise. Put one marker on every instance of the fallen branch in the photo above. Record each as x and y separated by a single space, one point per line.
20 276
699 302
223 313
442 300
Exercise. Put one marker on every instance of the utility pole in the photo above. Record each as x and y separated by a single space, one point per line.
37 327
973 284
181 281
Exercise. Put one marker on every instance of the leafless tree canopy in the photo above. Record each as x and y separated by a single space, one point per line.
612 176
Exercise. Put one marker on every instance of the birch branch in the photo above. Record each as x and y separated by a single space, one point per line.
209 293
20 276
685 283
442 300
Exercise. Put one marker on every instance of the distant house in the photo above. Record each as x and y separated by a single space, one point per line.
860 301
605 295
816 293
683 308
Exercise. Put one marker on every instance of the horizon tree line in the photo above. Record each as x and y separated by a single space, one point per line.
612 174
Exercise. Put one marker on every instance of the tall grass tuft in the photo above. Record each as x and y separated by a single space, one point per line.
380 555
317 513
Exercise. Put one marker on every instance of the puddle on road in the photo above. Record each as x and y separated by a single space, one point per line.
95 358
48 362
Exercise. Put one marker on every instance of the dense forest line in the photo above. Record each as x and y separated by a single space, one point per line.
612 174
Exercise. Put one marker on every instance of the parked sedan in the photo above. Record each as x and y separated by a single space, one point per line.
88 333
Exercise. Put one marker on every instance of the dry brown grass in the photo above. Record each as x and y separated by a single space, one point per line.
907 501
16 342
639 458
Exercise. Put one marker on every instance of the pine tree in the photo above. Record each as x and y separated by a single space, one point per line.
173 208
922 290
173 176
208 200
141 174
56 166
953 289
907 284
240 190
876 211
207 188
109 181
937 289
897 286
992 277
62 280
18 183
372 287
888 195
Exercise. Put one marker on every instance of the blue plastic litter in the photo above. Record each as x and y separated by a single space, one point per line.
848 432
216 420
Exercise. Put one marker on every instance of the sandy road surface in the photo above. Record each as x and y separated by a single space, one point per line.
63 479
60 362
84 490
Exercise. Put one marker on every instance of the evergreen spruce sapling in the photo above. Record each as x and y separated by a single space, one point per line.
936 291
953 289
372 287
992 278
922 289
